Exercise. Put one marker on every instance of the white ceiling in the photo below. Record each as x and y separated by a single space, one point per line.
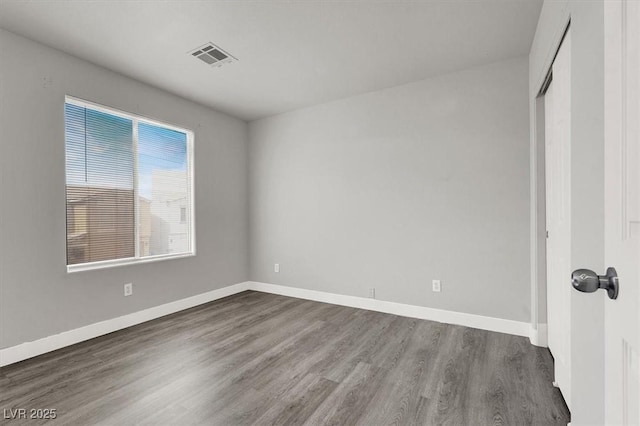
291 54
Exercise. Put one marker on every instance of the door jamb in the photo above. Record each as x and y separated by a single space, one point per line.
538 226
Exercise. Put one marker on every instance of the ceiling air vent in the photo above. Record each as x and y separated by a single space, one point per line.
212 55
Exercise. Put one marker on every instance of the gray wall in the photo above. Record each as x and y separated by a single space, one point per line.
37 297
394 188
587 176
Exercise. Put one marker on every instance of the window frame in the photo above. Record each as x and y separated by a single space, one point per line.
137 259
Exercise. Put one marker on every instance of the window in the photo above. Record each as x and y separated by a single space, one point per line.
129 184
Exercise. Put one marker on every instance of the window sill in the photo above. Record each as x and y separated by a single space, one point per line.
81 267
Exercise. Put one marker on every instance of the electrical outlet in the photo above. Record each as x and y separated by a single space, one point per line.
276 267
436 286
128 289
372 293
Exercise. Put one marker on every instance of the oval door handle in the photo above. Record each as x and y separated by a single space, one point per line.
588 281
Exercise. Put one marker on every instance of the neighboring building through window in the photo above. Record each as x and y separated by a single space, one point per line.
128 185
183 215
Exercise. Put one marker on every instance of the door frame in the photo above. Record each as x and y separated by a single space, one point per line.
587 310
538 225
558 216
539 335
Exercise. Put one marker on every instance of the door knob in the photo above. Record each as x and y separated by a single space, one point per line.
588 281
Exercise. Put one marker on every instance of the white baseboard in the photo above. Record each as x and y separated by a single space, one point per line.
538 336
450 317
51 343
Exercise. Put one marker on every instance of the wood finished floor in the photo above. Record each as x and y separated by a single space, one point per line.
256 358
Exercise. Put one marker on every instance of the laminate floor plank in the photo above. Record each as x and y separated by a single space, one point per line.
451 402
194 386
299 403
373 337
399 397
263 359
350 399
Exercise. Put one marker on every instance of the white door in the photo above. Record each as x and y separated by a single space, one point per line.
622 210
558 214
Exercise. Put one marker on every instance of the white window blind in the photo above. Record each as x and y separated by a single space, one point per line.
128 188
